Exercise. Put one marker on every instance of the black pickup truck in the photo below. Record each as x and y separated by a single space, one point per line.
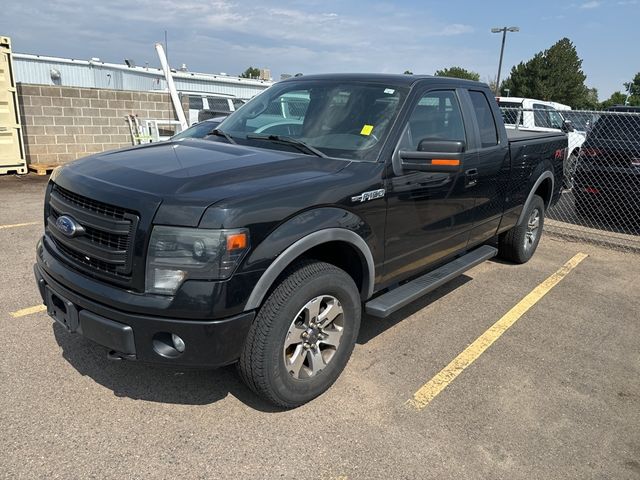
322 197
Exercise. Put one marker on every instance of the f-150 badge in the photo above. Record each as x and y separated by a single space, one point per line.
366 196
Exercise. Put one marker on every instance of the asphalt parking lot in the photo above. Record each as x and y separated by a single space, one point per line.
555 396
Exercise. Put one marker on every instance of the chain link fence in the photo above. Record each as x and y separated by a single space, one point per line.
600 200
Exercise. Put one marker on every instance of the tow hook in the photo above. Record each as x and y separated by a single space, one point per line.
117 356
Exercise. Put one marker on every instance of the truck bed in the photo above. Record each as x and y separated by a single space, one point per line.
518 135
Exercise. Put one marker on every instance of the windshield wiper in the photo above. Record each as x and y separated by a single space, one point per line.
219 133
299 144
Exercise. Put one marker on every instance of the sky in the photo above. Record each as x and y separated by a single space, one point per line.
290 36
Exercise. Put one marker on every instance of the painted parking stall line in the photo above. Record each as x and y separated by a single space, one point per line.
448 374
16 225
28 311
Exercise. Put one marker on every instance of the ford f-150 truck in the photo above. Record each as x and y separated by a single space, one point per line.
262 245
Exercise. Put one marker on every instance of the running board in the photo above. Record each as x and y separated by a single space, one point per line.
395 299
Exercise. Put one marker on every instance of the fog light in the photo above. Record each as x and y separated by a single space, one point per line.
168 345
178 343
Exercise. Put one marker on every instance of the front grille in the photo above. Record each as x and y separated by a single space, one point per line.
92 205
94 264
104 246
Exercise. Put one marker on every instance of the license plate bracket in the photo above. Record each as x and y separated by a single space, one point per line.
61 310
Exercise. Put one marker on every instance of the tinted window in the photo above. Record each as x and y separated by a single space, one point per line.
622 127
486 122
541 116
555 119
218 104
436 117
195 103
199 130
340 118
582 121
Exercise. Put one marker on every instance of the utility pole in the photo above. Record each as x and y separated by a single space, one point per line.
504 31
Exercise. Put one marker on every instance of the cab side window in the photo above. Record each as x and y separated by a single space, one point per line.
555 119
437 116
486 122
541 116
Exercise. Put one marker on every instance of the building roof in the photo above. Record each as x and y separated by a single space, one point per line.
98 74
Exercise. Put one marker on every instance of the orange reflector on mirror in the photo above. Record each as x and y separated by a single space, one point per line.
237 241
443 161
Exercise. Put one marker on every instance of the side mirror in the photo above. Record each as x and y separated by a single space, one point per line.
434 156
567 126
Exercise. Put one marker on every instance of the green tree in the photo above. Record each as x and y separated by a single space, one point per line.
458 72
251 72
616 98
554 74
408 72
591 101
633 89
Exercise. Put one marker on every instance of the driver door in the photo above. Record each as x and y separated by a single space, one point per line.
430 214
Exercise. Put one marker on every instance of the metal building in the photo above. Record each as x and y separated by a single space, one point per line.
94 73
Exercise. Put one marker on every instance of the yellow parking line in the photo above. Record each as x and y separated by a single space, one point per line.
15 225
28 311
448 374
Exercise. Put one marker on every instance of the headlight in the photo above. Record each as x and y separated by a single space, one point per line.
177 253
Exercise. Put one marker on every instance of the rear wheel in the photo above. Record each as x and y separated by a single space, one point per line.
519 244
303 335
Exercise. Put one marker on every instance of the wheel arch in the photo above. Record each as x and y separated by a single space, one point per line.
319 242
543 187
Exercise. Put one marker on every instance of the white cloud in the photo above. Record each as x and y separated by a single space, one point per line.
222 35
590 5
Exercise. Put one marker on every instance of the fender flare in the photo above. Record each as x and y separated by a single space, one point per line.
546 174
307 242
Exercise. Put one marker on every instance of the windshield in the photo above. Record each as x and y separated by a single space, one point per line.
581 121
623 127
199 130
340 119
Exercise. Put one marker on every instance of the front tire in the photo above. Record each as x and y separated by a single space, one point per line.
303 335
519 244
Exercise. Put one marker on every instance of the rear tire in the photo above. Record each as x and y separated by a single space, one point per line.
278 362
519 244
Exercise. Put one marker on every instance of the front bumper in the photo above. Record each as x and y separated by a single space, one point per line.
141 337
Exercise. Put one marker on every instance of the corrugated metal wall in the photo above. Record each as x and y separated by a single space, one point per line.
80 73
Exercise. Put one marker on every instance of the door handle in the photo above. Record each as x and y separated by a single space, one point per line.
471 177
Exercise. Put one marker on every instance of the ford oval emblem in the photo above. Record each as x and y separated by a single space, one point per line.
68 226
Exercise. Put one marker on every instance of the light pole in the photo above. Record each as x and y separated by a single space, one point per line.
504 31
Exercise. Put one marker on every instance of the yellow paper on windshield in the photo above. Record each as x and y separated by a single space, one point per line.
366 130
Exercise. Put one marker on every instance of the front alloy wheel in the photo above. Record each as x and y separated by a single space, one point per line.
313 337
303 335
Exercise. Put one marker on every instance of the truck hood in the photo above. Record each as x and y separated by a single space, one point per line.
187 176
